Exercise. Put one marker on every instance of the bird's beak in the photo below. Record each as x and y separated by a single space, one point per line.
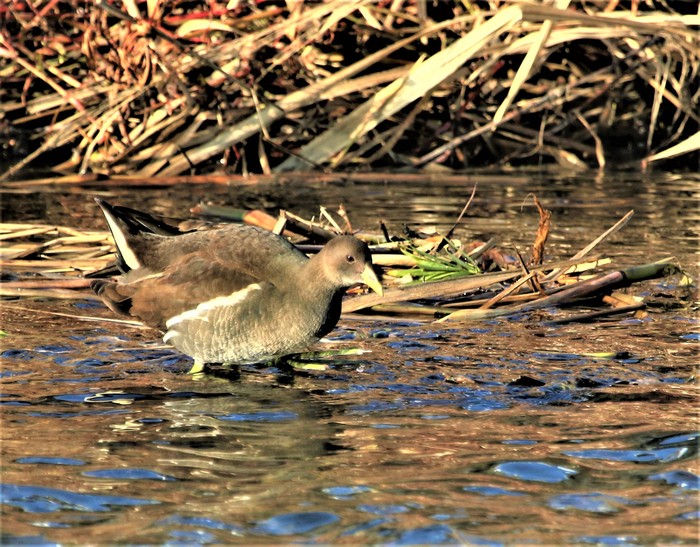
369 278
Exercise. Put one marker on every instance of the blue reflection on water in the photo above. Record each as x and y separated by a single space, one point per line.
345 492
49 461
200 535
435 534
383 510
55 348
129 474
492 491
19 354
684 438
296 523
534 471
262 416
201 522
189 537
402 346
691 515
593 502
637 456
37 499
617 541
683 479
10 539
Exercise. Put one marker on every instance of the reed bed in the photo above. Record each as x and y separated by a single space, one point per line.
165 88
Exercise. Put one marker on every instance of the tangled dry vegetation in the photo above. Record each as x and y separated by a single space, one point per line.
164 88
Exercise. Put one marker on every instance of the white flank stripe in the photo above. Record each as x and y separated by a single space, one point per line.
170 334
200 312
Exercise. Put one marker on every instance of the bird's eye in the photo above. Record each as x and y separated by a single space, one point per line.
350 259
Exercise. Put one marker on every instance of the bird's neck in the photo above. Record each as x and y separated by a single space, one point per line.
319 297
314 280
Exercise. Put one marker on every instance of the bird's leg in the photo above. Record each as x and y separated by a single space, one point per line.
197 368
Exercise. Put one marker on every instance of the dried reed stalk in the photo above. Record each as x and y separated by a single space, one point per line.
294 86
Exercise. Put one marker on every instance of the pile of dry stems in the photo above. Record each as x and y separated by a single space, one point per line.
161 88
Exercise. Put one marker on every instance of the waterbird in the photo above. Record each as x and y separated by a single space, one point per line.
235 294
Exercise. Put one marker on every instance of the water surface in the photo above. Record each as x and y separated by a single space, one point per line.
498 432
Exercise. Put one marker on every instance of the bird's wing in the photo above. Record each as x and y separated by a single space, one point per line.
183 285
242 249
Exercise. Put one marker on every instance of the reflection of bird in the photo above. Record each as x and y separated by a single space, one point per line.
234 294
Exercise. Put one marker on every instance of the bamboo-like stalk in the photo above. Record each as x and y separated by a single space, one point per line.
600 284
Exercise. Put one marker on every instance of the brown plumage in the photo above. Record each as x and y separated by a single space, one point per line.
235 294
